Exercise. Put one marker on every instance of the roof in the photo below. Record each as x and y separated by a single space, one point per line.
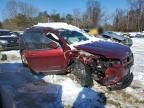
42 29
58 25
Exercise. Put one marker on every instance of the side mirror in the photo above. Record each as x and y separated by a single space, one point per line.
52 35
53 45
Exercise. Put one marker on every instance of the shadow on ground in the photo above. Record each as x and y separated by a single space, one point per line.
29 91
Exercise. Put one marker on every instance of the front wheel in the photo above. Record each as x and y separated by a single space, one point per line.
82 73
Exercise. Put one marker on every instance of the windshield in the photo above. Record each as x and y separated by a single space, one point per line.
4 33
73 36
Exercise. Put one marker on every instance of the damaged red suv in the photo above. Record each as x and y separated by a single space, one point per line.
58 48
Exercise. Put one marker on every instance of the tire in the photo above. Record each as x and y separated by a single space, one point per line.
24 61
82 73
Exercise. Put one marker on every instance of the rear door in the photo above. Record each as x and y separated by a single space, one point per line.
39 56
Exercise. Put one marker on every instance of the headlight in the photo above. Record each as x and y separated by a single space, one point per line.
3 41
115 62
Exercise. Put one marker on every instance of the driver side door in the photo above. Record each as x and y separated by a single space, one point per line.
41 57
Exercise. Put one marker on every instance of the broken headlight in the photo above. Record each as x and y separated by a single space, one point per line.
114 62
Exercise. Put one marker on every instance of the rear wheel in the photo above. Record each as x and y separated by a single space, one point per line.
82 73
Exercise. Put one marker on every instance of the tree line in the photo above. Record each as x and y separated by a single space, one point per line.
132 19
19 15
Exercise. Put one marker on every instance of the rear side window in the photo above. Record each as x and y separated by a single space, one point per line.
32 40
36 40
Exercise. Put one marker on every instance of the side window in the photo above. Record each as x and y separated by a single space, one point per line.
32 40
36 40
46 40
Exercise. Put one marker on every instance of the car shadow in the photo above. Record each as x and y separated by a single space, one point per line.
19 87
32 91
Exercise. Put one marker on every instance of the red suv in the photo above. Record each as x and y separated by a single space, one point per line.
59 48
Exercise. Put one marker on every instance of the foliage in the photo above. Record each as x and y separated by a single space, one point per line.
1 26
20 15
131 20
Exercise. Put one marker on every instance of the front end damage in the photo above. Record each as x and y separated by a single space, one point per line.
112 73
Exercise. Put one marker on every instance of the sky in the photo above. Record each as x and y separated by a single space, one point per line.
67 6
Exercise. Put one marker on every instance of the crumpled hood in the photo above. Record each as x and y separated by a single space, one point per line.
108 49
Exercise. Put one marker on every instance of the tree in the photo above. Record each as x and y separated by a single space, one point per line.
136 13
1 25
10 24
55 17
106 22
27 9
136 5
69 18
94 12
19 15
120 20
24 22
11 9
77 17
42 17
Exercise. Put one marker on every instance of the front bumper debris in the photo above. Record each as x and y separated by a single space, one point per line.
123 83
